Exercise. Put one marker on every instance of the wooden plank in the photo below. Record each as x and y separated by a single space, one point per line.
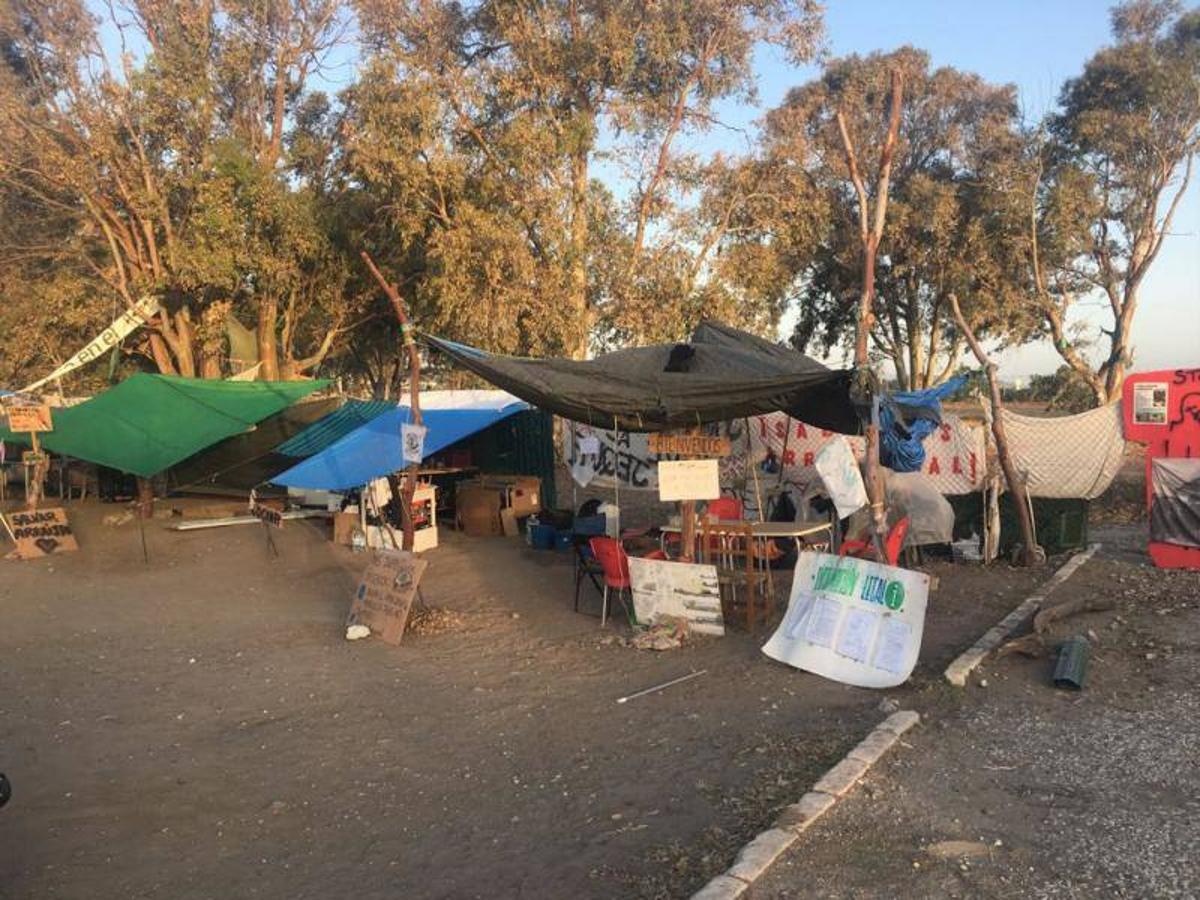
689 445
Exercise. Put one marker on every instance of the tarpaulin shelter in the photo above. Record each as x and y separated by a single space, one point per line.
720 374
373 450
150 422
333 427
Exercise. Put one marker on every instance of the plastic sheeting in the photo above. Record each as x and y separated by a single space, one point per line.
1175 510
373 450
913 494
901 443
1069 457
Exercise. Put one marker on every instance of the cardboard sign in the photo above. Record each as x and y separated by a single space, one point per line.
689 445
30 418
689 479
40 532
852 620
386 593
412 438
267 515
678 590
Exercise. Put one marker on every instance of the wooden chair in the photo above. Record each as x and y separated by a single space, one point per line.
731 547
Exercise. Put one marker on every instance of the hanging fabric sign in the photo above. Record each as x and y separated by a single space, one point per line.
839 472
852 620
602 459
122 326
413 439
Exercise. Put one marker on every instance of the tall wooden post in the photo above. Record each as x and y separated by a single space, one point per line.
408 489
870 233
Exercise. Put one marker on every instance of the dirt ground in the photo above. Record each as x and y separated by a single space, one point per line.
198 726
1047 793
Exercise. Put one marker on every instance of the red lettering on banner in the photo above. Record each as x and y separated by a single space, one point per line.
780 427
801 431
825 433
956 466
809 458
934 467
789 457
945 430
972 467
762 426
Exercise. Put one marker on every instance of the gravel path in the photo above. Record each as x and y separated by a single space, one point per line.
1045 793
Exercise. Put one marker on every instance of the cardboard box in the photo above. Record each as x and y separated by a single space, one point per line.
521 493
478 510
344 524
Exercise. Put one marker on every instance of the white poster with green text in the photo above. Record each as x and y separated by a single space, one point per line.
852 620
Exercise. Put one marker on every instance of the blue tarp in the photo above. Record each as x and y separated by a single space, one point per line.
333 427
373 450
900 444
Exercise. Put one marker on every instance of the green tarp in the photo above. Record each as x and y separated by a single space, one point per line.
150 422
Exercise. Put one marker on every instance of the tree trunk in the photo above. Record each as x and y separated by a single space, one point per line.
1030 552
268 352
578 255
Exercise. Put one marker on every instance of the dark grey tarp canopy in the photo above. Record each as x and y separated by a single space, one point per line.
720 375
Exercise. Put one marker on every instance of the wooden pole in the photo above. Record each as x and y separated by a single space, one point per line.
409 487
1030 553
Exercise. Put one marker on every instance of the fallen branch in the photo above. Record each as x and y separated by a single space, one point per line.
1048 615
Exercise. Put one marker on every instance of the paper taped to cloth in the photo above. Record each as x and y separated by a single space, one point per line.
663 588
852 620
843 481
689 479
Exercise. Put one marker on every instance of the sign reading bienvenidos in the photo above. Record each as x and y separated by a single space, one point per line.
29 418
41 532
689 445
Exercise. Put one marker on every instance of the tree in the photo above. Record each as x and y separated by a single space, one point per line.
166 168
942 234
519 102
1106 177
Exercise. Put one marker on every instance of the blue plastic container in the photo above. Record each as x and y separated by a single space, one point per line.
563 539
543 537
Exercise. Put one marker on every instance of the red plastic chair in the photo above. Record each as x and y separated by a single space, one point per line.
891 544
615 563
725 509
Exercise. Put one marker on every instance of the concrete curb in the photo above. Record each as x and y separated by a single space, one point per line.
756 857
957 672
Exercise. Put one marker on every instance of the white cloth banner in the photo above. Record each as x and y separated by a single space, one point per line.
123 325
852 620
600 458
955 454
1067 456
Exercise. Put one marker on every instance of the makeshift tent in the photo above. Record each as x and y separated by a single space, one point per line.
721 374
333 427
373 450
150 422
246 460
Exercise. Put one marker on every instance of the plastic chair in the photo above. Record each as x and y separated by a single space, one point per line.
615 563
725 509
891 544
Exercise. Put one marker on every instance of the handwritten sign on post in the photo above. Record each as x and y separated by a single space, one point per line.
40 533
689 479
35 418
385 595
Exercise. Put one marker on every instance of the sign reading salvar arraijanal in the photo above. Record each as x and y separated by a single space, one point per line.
41 532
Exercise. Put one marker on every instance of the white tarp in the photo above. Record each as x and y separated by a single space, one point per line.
839 473
1067 456
852 620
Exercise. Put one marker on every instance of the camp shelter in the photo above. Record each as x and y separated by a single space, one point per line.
332 427
247 460
721 374
373 450
148 423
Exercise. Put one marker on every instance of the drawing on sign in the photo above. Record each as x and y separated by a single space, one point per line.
34 418
412 437
689 445
852 620
386 593
40 533
689 479
678 590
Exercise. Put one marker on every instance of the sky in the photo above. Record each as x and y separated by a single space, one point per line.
1036 45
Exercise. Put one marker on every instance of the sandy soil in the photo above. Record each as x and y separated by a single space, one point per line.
197 727
1049 793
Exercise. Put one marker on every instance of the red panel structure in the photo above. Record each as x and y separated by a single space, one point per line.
1162 410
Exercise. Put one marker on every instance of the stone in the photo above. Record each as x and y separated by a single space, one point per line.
757 856
958 850
723 887
797 817
357 632
898 723
888 705
841 777
873 746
